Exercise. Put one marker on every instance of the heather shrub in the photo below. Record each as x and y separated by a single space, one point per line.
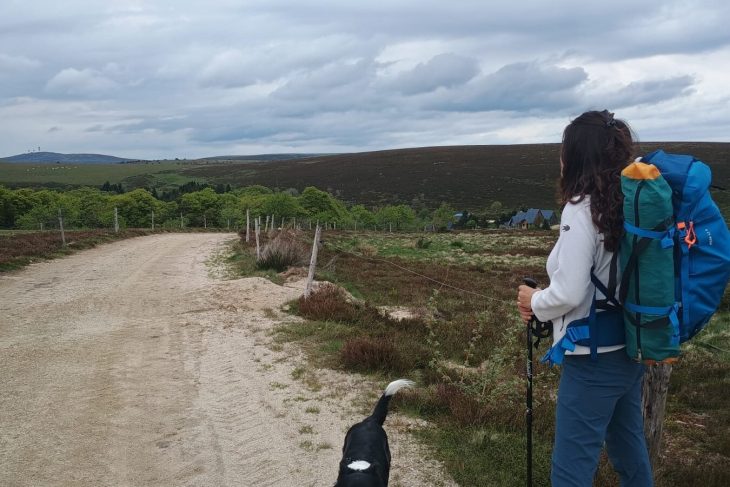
327 302
283 251
369 354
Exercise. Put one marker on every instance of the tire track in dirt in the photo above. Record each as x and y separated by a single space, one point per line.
130 364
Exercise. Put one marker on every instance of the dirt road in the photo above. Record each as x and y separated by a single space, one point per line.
135 364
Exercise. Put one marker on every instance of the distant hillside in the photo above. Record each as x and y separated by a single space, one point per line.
467 177
261 157
53 157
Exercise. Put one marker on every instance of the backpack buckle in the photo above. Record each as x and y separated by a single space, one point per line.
688 233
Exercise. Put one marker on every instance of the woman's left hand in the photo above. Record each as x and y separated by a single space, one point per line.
524 301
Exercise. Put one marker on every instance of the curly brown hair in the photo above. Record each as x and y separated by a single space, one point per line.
596 148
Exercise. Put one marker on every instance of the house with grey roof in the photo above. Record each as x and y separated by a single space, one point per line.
532 218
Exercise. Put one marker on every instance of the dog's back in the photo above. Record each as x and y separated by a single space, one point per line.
366 454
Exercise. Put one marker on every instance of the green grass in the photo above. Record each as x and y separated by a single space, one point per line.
469 248
487 456
467 355
165 173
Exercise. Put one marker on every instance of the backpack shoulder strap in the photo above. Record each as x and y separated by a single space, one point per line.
609 292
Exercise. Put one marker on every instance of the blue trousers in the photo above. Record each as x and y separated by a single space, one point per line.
600 401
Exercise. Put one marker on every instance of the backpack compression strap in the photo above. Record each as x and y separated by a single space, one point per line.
664 232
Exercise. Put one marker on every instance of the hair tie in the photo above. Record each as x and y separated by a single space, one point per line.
610 122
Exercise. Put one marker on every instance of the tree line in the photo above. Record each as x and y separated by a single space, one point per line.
200 205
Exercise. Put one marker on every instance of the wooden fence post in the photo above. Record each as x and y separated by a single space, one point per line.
248 225
116 220
60 225
655 385
182 222
257 231
312 262
153 219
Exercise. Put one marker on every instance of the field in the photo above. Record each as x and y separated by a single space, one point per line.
463 343
467 177
72 175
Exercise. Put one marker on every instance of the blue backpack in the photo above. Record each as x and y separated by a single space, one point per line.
697 237
701 241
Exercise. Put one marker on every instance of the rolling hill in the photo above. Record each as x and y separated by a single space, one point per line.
55 157
467 177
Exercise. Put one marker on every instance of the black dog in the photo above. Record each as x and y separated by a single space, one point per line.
366 454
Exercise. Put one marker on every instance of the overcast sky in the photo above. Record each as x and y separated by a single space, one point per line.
183 78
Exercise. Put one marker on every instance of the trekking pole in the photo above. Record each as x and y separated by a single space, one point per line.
541 330
528 413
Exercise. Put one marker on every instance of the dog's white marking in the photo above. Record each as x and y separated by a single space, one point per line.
397 385
359 465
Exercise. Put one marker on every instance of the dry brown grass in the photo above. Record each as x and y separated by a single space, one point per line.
18 250
282 251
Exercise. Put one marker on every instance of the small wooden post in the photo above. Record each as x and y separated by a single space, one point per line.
272 222
41 226
248 225
258 229
334 225
312 262
205 221
653 404
391 228
116 220
153 219
228 222
60 224
182 222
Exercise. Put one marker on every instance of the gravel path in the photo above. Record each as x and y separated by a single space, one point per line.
135 364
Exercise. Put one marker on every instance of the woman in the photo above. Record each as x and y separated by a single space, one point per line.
599 399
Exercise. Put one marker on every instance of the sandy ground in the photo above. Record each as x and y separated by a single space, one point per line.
136 363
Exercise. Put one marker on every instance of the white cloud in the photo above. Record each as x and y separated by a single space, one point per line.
84 83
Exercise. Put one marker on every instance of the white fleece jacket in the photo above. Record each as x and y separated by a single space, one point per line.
569 295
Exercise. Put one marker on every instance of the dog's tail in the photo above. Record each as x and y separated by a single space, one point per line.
381 408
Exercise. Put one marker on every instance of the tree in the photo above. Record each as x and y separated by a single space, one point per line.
282 205
363 216
7 208
399 217
320 205
136 207
443 216
201 207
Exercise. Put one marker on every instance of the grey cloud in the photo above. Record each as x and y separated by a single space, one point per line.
518 87
444 70
10 63
650 91
285 72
